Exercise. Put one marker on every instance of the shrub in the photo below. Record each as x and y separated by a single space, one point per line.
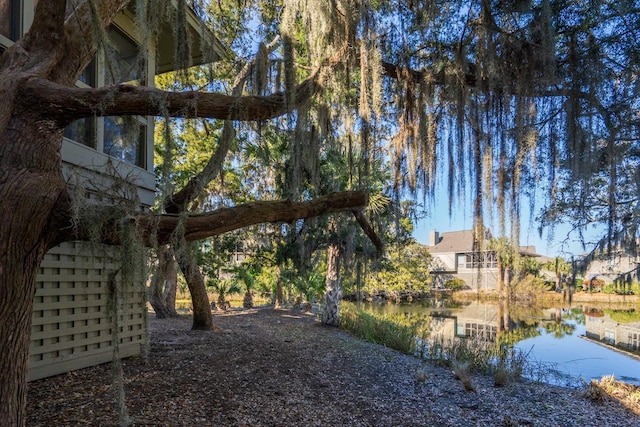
455 284
501 375
529 287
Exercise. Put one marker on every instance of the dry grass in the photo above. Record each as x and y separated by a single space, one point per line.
609 387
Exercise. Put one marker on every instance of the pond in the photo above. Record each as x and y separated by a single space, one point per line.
563 345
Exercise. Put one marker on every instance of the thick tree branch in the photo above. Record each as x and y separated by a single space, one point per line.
227 219
369 231
398 72
161 229
66 104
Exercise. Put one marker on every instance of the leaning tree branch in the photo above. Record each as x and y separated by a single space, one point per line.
65 104
369 231
161 229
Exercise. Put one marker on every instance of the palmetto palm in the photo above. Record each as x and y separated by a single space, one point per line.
245 276
223 288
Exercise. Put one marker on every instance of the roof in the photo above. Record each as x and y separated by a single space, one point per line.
204 46
462 241
453 241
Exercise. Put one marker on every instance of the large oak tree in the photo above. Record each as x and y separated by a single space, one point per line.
508 97
37 82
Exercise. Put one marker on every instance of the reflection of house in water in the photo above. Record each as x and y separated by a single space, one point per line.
603 329
479 321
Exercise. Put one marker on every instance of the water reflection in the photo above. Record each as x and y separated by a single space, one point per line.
617 328
568 344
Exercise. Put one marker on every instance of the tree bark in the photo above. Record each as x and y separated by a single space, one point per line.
369 231
202 317
30 186
160 229
65 104
278 301
17 290
171 287
162 291
333 290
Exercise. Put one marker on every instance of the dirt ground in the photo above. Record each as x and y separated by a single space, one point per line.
282 368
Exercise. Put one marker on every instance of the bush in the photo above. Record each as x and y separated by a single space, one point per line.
529 287
594 285
455 284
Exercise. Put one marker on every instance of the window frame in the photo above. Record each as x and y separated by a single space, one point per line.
100 79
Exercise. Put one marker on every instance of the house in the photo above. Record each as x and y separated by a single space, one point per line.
610 265
455 255
109 158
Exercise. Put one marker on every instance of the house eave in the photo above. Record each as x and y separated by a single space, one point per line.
204 46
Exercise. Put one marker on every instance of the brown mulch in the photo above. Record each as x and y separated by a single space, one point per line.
282 368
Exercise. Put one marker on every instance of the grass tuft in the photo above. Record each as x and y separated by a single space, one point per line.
394 331
609 387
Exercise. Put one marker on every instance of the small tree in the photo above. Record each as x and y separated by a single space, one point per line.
224 287
243 275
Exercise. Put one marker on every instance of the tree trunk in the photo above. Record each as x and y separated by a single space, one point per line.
279 300
247 302
17 291
162 293
31 185
333 291
359 281
158 281
171 286
202 319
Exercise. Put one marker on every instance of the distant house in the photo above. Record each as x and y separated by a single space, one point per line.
455 255
609 265
71 327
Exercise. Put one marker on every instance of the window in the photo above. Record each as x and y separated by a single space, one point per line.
609 336
633 341
82 131
462 259
122 64
88 76
125 139
486 259
8 18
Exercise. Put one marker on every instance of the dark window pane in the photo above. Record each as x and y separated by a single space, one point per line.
7 14
82 131
122 65
124 139
88 75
